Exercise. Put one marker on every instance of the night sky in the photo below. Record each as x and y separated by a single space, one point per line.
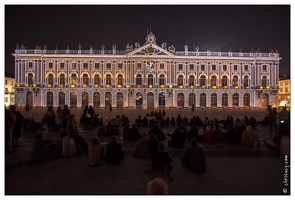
245 26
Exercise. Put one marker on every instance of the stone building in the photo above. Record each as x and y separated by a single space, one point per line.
145 76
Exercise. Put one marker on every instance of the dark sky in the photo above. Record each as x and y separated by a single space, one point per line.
245 26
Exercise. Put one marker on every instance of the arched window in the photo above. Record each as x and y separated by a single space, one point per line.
203 100
108 80
150 80
96 100
180 81
120 80
235 81
246 99
224 100
61 99
180 100
49 99
97 80
191 80
213 81
85 80
73 80
213 100
224 81
235 99
30 79
162 80
264 81
50 80
62 80
203 81
73 100
84 99
138 80
246 82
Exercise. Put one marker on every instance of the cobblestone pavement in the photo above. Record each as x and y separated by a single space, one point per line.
232 169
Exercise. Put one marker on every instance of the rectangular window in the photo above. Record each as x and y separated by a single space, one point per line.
202 67
62 65
96 66
138 65
30 65
246 68
85 66
50 65
6 99
162 66
224 67
191 67
213 67
73 65
264 68
108 66
235 67
5 82
286 90
180 67
120 66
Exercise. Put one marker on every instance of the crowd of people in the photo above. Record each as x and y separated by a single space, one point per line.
149 143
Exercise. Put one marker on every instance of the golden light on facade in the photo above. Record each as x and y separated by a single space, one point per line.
61 85
49 85
181 86
150 86
34 85
214 87
127 86
203 87
170 86
162 86
236 87
84 85
96 86
225 87
267 87
192 87
72 86
119 86
108 86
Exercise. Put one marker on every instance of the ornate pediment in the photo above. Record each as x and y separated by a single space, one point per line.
150 49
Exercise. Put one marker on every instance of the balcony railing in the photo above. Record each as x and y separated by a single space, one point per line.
123 52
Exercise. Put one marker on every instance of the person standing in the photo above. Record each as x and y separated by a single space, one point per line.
51 118
73 132
10 119
66 112
59 117
273 119
17 130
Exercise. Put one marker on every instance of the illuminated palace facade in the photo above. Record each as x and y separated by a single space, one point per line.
147 76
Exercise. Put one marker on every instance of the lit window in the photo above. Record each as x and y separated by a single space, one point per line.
162 66
224 67
62 65
96 66
246 68
138 65
120 66
108 66
73 65
50 65
235 67
191 67
213 67
264 68
180 67
202 67
85 66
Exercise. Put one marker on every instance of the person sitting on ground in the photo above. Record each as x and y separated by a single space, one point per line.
153 144
94 152
109 129
167 122
114 152
145 122
178 120
161 161
138 122
173 122
231 136
208 133
73 132
157 186
250 137
193 133
126 132
41 147
185 120
142 147
59 141
178 137
117 121
218 134
194 158
158 131
134 133
152 122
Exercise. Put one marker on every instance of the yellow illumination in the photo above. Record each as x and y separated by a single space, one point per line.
236 87
150 86
170 86
119 86
225 87
49 85
108 86
181 86
192 87
267 87
61 85
72 86
261 87
34 85
162 86
214 87
84 85
127 86
203 87
27 85
96 86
